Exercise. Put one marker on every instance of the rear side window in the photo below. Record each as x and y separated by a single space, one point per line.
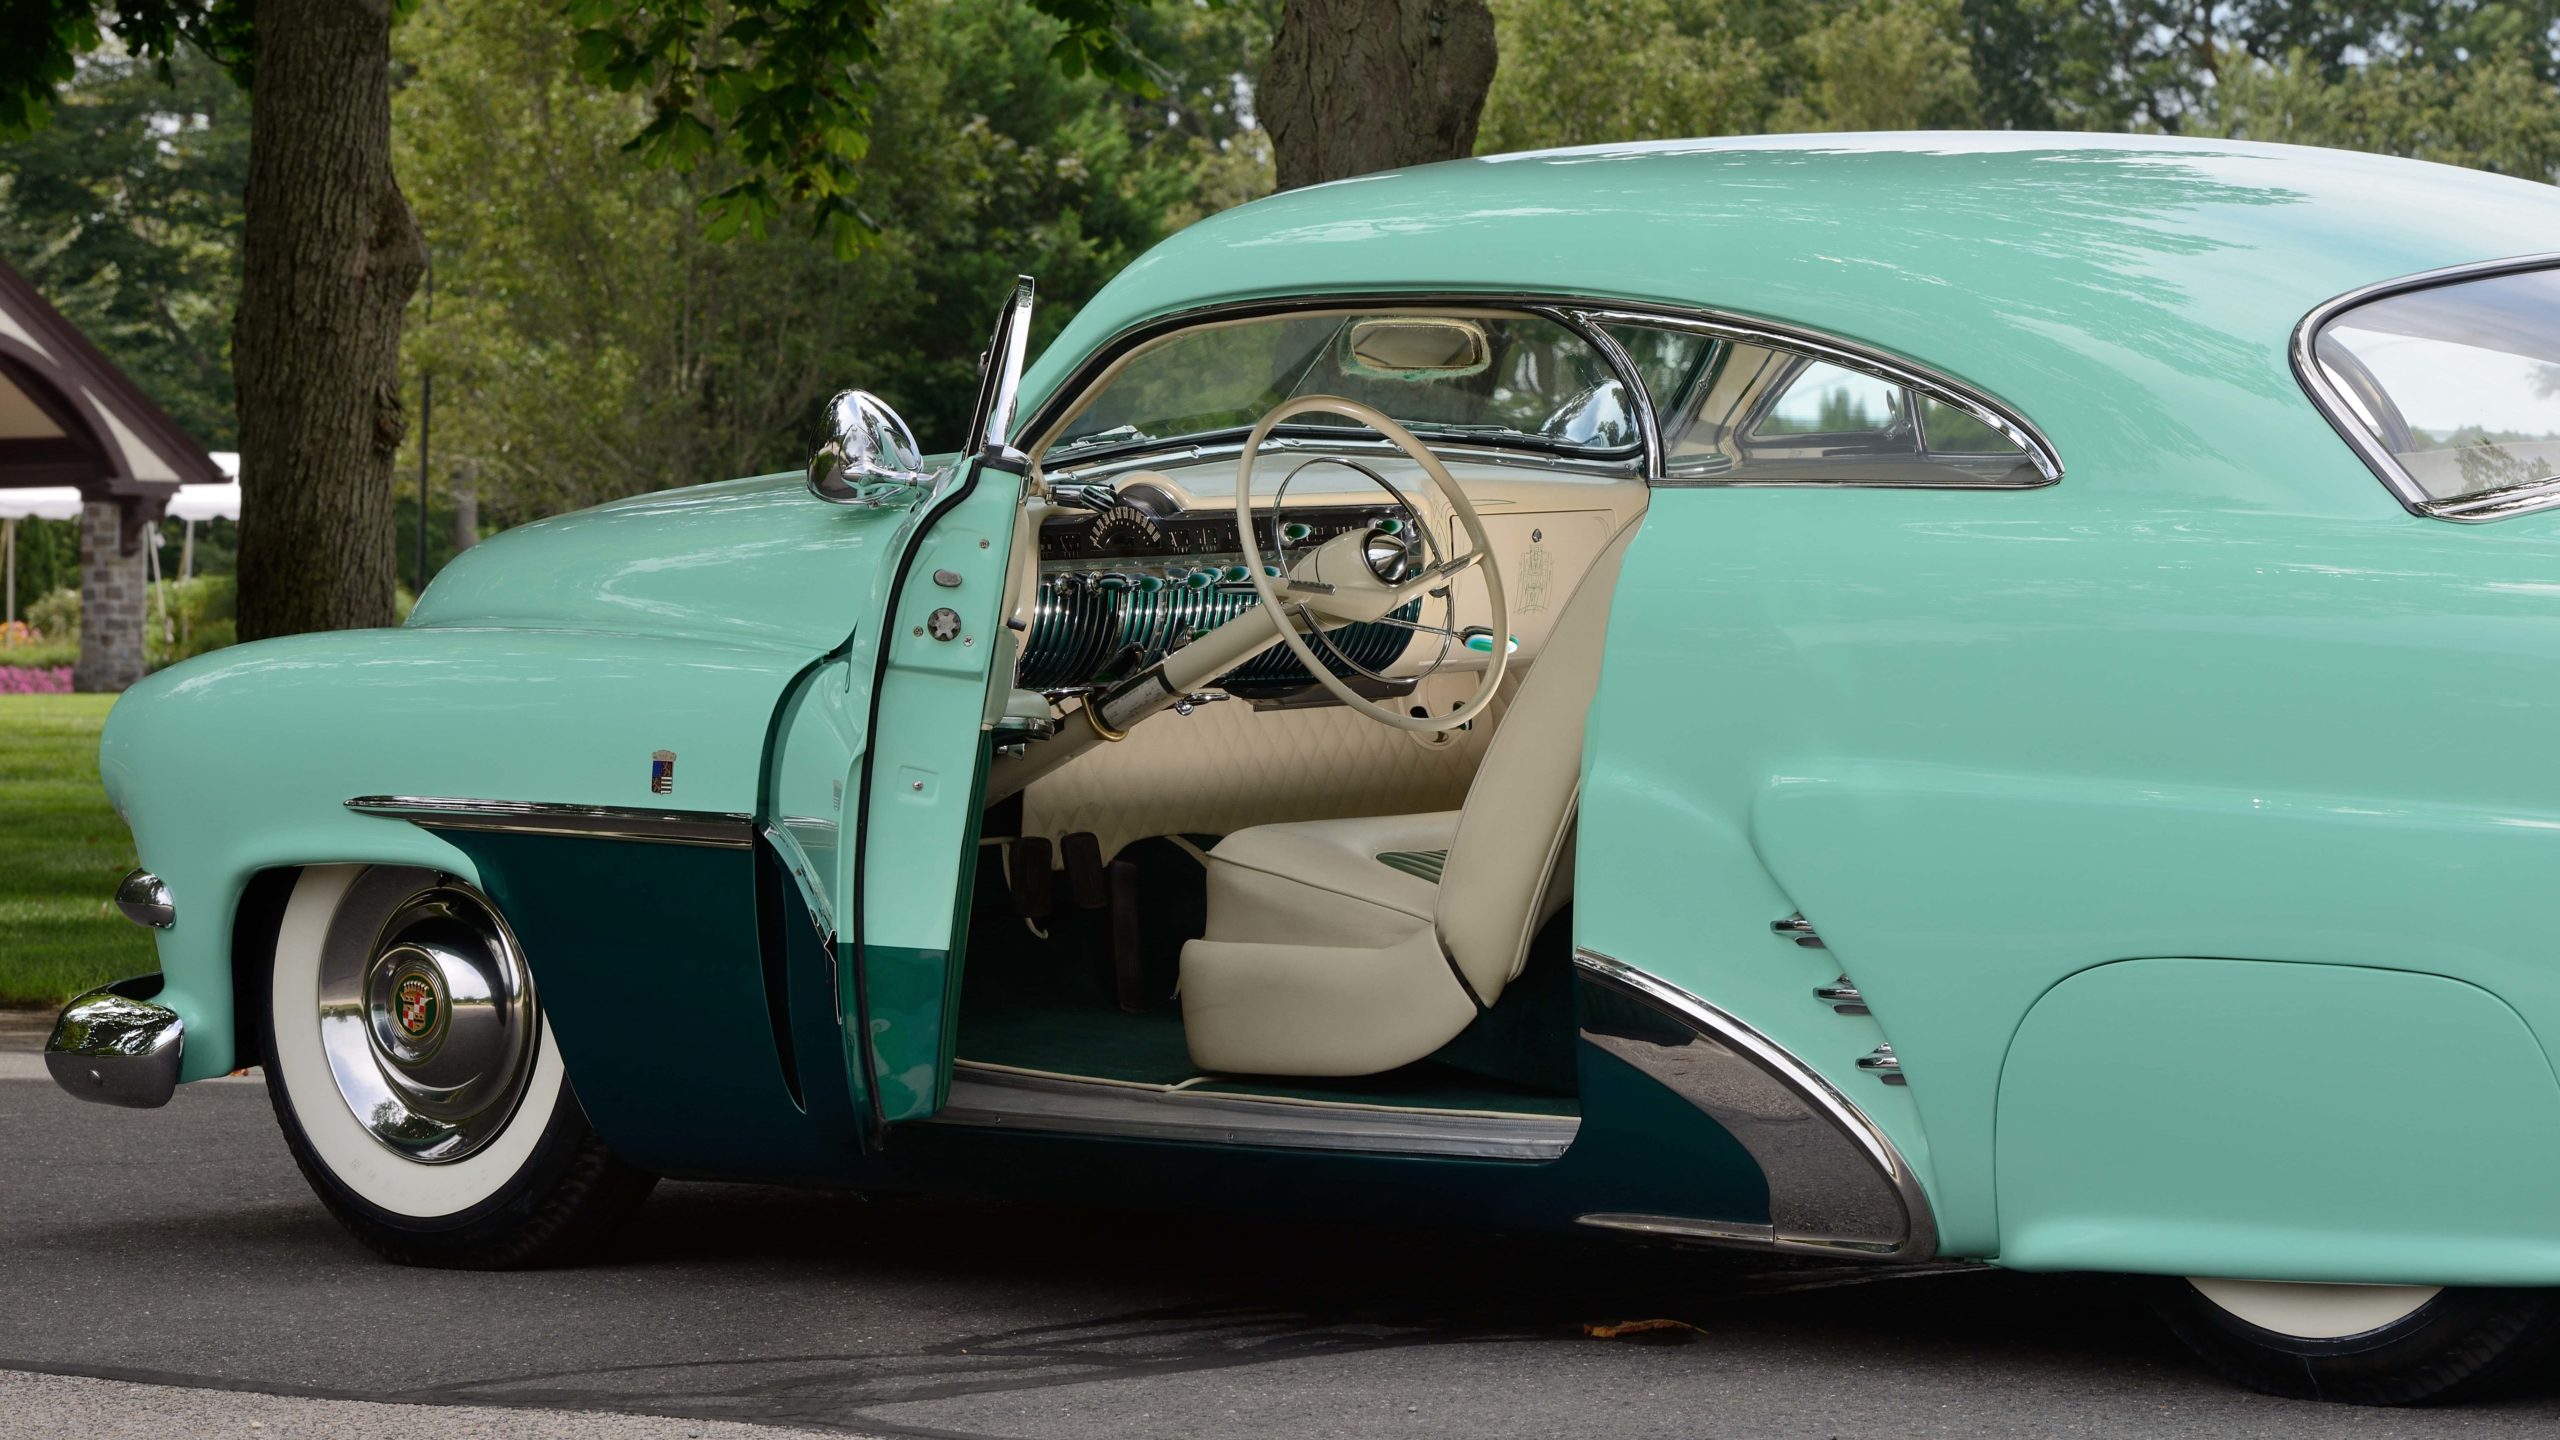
1757 414
2451 391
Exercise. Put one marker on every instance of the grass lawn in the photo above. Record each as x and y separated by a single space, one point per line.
62 850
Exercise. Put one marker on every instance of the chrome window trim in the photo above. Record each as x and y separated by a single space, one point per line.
2334 407
1816 1148
1108 357
1903 374
1584 315
586 822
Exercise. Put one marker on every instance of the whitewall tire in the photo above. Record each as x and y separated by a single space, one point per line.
418 1083
2362 1344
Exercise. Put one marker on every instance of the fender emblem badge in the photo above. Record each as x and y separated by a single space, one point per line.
662 772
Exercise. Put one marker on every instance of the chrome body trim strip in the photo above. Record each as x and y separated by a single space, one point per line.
113 1046
1837 1185
993 1098
144 899
587 822
1677 1227
2333 407
1591 312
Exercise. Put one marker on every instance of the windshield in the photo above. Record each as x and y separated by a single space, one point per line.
1497 379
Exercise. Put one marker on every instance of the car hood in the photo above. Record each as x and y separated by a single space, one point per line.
756 561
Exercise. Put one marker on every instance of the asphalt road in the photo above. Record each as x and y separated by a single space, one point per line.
179 1252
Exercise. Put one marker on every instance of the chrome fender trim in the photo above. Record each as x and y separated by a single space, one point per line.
586 822
115 1047
1837 1185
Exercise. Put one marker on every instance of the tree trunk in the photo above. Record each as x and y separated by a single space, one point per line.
1354 86
466 506
329 257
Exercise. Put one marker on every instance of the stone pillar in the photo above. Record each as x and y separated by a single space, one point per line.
113 599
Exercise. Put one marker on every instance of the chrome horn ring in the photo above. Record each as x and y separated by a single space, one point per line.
428 1017
1411 518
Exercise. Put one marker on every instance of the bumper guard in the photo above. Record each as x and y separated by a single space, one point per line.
115 1047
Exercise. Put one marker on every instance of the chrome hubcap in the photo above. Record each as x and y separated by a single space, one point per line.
428 1018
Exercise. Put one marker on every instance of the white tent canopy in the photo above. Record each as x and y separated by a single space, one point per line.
41 502
211 502
192 502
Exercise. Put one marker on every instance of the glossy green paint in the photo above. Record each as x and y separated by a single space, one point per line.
927 770
2262 1116
243 760
754 561
650 963
2214 694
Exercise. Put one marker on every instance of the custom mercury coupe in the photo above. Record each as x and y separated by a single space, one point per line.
1892 697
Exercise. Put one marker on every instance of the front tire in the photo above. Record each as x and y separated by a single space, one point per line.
418 1084
2361 1344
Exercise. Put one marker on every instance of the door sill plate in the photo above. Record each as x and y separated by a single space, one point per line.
997 1098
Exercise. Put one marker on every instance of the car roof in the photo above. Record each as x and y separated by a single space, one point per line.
2042 268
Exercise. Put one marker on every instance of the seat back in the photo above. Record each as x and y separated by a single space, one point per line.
1511 865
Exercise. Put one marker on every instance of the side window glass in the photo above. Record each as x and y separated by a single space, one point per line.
1824 399
1947 430
1765 415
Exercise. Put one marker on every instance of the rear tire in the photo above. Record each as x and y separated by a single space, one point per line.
417 1083
2362 1344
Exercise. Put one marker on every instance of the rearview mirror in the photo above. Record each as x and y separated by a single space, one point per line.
1418 348
867 456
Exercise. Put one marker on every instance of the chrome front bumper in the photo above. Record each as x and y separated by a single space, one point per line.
115 1047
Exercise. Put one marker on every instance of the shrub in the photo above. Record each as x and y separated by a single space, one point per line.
30 680
56 616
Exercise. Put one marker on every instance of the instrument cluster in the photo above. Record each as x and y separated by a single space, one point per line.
1121 587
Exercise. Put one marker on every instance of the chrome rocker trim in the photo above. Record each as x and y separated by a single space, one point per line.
1837 1186
1000 1098
114 1047
589 822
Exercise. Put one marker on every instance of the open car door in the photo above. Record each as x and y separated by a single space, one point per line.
890 735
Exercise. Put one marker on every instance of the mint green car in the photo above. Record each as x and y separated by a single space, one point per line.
1975 697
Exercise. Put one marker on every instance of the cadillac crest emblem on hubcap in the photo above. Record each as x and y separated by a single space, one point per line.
417 1008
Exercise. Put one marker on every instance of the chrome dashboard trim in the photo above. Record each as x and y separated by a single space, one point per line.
2333 406
586 822
1837 1185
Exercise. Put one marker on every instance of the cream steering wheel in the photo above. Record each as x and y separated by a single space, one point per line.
1340 583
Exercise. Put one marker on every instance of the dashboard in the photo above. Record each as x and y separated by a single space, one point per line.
1133 571
1120 588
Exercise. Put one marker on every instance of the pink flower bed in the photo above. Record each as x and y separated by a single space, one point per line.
33 680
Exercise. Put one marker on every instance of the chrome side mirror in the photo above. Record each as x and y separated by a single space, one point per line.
867 456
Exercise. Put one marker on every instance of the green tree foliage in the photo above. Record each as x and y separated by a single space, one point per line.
589 338
2468 82
2493 114
1724 67
793 91
124 211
